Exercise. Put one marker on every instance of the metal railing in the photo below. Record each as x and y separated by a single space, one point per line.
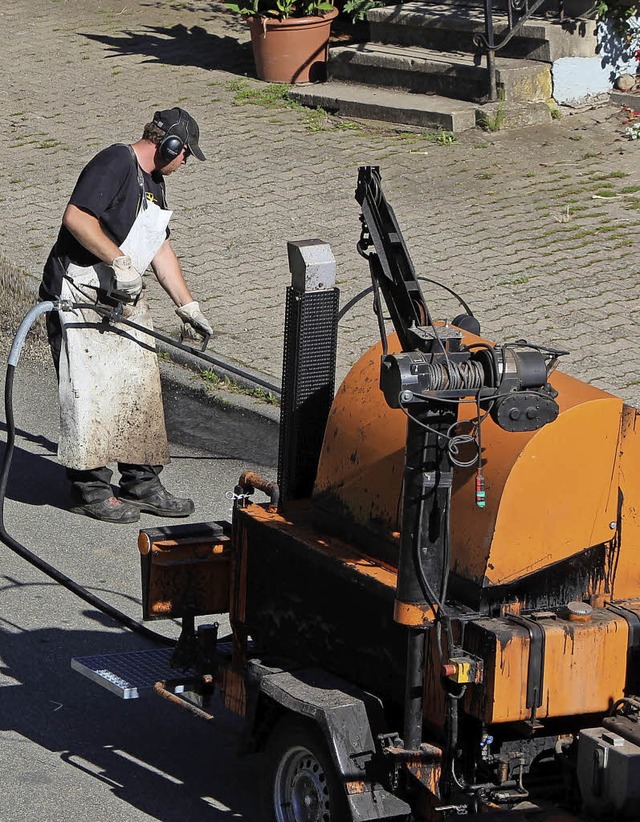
518 13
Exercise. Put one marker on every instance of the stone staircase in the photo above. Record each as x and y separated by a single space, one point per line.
420 67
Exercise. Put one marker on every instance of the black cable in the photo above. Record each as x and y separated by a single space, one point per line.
451 291
377 310
32 558
110 315
354 301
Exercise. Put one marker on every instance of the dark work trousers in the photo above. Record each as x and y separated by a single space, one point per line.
95 484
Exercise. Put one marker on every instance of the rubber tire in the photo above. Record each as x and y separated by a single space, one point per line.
289 740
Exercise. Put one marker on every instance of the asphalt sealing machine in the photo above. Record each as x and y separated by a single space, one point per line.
435 611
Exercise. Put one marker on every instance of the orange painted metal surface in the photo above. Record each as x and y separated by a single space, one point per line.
551 493
626 582
185 575
413 615
585 662
584 670
297 521
584 667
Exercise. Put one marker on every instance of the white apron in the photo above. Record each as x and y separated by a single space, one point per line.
110 395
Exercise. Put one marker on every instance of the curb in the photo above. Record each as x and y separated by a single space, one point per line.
625 98
183 372
223 368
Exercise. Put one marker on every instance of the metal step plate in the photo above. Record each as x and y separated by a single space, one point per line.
133 674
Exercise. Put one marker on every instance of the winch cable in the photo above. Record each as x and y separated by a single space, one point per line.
13 544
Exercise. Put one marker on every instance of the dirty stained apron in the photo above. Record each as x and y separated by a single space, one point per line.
110 396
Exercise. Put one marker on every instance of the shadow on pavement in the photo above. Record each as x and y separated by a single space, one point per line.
36 480
149 754
222 432
182 46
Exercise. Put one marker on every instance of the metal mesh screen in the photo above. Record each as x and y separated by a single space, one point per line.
308 382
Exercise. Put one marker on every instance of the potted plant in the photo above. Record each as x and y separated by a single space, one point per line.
290 38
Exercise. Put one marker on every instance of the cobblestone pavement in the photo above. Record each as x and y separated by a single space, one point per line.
537 229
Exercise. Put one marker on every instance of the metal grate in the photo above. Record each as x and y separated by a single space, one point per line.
133 674
308 382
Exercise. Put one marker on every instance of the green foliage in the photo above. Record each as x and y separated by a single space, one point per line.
276 95
357 9
445 138
620 12
270 96
249 9
495 121
281 9
228 384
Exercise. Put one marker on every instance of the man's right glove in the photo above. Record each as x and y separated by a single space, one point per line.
195 323
127 282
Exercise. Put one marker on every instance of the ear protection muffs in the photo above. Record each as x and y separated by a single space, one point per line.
173 142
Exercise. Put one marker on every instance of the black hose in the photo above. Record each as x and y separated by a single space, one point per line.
12 543
111 315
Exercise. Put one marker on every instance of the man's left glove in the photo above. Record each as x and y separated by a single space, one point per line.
195 323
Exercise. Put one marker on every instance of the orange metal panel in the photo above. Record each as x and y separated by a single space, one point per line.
297 522
185 575
627 542
584 667
362 460
550 493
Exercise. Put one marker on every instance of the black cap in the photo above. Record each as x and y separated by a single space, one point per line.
179 122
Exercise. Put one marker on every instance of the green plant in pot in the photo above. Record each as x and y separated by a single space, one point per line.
290 38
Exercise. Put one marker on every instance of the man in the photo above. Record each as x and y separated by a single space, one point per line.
113 228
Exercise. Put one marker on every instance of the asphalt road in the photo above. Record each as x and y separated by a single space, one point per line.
70 750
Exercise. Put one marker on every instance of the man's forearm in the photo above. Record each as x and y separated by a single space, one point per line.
168 271
88 232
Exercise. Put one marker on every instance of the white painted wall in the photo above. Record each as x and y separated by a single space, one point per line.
577 79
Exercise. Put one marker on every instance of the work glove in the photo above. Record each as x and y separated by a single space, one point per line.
195 325
127 282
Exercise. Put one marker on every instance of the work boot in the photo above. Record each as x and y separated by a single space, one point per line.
108 510
161 503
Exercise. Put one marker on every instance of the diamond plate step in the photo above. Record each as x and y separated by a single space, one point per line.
133 674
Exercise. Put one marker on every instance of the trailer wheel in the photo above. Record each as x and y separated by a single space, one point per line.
302 782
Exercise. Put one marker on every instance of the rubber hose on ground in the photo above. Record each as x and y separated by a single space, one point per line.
14 545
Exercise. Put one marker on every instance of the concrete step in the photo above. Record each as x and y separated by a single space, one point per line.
548 9
424 110
451 26
367 103
449 74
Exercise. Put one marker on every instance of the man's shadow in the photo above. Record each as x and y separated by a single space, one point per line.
150 754
35 479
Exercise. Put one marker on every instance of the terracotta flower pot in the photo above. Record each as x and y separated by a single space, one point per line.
293 50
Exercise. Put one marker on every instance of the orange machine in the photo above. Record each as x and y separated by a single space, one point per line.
437 612
466 553
560 524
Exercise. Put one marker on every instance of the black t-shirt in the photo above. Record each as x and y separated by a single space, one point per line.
108 188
